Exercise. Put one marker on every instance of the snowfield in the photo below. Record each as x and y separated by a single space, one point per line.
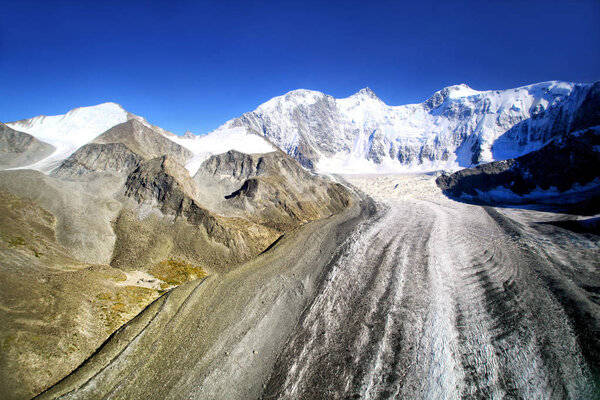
74 129
457 127
70 131
221 141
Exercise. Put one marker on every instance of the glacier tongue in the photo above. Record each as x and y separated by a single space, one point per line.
457 127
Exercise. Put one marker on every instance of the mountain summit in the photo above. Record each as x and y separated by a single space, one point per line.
366 93
456 127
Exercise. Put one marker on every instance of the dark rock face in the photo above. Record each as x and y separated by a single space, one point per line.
270 189
240 166
482 177
235 165
114 158
588 114
19 149
167 182
561 164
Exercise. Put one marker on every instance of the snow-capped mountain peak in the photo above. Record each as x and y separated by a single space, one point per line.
456 127
366 93
291 99
457 91
67 132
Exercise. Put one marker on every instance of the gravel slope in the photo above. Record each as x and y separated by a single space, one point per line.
220 337
422 297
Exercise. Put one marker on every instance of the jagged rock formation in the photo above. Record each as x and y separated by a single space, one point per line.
270 189
562 172
164 180
120 150
19 149
168 222
456 127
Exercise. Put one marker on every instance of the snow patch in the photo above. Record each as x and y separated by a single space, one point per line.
503 194
221 141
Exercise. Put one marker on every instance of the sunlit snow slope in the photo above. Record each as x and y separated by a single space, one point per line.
72 130
221 141
456 127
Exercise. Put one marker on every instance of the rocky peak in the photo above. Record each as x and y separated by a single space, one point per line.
144 141
159 175
450 92
367 93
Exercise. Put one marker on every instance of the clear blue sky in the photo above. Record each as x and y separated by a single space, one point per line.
195 64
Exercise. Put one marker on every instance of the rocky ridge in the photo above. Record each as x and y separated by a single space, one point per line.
270 188
561 173
121 223
120 150
20 148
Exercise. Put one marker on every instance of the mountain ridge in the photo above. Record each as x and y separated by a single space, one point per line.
454 128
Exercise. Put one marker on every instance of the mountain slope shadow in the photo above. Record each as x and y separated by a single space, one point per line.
562 176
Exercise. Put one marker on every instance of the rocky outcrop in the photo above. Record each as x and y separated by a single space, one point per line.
115 158
564 171
269 189
165 182
18 149
120 150
146 142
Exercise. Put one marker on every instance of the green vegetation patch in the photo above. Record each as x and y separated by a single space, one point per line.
176 272
119 307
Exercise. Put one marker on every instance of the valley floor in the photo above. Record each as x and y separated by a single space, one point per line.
415 296
437 299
